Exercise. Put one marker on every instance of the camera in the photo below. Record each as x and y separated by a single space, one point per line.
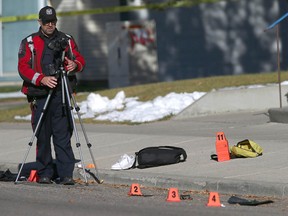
59 44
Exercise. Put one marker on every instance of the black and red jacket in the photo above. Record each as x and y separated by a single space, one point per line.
33 74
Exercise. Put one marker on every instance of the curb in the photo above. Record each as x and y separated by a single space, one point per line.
199 184
278 115
225 186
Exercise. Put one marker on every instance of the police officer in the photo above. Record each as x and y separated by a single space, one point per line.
38 63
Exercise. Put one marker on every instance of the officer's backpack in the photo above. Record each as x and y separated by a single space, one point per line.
246 148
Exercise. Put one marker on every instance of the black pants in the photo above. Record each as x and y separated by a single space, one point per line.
55 124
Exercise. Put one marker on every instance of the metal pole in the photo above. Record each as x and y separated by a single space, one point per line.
278 63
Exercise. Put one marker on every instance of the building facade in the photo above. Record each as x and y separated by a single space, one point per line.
223 38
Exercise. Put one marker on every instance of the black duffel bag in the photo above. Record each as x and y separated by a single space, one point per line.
159 156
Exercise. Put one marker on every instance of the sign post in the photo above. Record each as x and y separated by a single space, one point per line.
278 51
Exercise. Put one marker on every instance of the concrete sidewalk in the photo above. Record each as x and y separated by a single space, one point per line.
237 100
265 175
240 114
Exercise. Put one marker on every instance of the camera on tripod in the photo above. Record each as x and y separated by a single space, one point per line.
59 44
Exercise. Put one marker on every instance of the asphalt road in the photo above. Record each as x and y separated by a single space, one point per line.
34 199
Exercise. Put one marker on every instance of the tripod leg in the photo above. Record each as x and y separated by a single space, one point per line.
34 135
23 162
99 181
78 145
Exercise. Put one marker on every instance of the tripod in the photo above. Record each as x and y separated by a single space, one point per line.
66 94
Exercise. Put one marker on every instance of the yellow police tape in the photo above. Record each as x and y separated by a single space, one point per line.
117 9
